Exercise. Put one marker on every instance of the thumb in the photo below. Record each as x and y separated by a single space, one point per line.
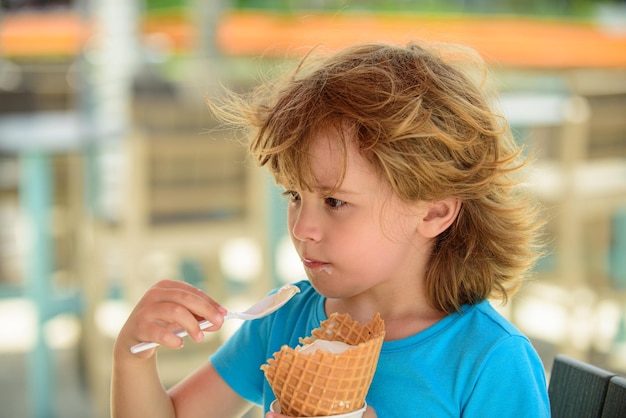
370 413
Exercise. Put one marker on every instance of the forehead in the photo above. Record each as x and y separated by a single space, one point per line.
336 162
328 155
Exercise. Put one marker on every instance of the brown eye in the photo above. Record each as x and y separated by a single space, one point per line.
334 203
293 196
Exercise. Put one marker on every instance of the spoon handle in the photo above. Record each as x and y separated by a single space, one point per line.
138 348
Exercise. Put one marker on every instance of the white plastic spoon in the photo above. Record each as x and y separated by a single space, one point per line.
260 309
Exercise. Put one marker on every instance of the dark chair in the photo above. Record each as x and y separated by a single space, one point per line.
577 389
615 400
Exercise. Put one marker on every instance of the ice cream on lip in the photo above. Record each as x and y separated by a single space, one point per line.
317 265
308 262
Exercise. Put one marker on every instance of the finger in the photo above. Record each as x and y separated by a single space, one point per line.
155 323
163 336
275 415
193 301
182 317
186 287
370 413
171 305
172 290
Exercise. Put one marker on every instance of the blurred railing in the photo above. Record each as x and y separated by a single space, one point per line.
171 200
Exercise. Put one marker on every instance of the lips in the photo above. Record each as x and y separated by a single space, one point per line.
313 264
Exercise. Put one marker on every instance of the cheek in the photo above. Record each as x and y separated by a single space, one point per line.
400 229
290 218
400 221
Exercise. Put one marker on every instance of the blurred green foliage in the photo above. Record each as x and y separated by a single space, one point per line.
576 8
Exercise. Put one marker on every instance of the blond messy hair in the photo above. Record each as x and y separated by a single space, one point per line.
426 126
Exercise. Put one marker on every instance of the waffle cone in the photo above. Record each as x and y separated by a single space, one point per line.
323 383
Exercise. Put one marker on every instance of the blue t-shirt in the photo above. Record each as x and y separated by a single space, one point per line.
473 363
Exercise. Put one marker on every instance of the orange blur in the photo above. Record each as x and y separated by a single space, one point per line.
503 40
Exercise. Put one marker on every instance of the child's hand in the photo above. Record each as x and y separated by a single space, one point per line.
369 413
166 306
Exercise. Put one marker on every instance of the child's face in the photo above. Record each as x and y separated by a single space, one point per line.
360 238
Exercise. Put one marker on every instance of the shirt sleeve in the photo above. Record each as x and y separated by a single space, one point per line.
239 359
511 384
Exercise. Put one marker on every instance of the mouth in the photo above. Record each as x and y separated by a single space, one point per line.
316 265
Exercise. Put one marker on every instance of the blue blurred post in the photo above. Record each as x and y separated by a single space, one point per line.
618 249
35 199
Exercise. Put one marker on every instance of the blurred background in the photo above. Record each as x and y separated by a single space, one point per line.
113 175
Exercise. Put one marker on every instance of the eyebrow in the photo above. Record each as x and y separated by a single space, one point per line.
325 190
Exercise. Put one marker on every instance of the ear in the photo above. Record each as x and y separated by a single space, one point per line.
439 216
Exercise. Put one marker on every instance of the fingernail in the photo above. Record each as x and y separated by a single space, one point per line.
182 344
200 336
222 310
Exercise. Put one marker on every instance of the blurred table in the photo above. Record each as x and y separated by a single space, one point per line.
35 138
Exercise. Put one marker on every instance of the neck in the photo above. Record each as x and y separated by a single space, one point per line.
405 312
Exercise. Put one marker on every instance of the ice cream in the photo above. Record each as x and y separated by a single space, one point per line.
334 347
330 373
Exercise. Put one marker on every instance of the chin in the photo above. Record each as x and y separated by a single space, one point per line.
329 288
322 285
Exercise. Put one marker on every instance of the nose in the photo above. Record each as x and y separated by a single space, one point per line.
304 223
